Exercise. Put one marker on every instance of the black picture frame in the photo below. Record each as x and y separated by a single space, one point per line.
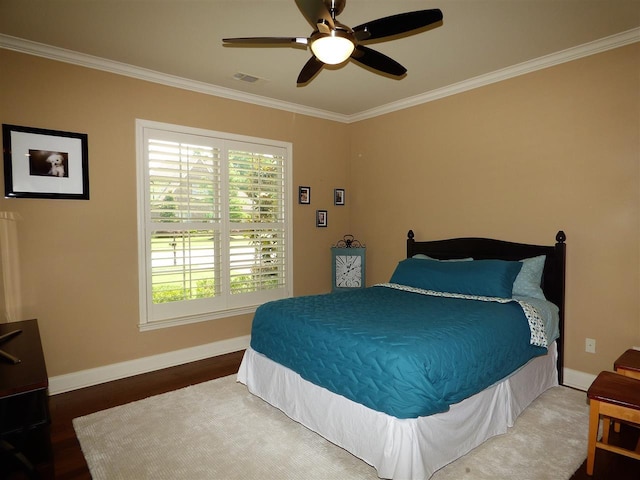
321 218
40 163
338 196
304 195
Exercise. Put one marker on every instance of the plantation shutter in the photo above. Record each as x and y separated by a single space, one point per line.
215 227
257 219
184 217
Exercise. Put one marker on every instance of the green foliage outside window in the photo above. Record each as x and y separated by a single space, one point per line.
255 198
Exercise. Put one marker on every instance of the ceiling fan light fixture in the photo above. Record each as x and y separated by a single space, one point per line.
332 48
333 43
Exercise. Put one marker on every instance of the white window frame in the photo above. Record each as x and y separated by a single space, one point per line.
225 305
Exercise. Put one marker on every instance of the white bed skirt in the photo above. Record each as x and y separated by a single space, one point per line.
401 449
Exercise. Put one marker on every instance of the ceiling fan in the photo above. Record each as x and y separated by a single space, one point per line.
333 43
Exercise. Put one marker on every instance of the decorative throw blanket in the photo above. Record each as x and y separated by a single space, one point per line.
404 353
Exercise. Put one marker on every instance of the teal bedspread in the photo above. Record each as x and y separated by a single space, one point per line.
398 352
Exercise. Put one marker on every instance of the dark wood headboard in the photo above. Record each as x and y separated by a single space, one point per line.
553 276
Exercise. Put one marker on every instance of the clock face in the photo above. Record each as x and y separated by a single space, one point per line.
348 271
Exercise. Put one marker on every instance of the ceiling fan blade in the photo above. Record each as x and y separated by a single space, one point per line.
396 24
378 61
316 14
309 70
268 40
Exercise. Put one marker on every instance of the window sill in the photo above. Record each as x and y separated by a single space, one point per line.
174 322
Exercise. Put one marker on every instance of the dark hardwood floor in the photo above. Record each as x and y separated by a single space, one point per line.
70 464
609 466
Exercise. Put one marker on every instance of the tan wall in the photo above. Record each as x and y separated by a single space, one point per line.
519 160
79 258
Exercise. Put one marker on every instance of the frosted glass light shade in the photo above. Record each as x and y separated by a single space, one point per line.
332 49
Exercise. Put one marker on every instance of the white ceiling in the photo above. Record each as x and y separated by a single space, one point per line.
182 38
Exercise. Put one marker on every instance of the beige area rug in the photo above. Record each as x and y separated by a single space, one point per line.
218 430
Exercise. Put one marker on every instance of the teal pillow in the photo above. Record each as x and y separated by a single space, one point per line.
489 278
529 279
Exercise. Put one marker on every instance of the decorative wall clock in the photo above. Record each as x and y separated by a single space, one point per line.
348 264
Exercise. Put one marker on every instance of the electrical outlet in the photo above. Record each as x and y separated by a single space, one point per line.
590 345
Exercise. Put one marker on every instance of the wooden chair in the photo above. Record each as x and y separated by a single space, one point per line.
613 397
627 364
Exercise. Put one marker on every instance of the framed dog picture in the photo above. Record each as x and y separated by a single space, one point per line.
42 163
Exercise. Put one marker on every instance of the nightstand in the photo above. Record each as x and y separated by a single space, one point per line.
628 364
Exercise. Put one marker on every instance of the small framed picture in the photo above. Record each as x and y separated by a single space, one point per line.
321 218
338 196
42 163
304 195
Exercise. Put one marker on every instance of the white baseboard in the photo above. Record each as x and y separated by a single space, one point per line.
95 376
116 371
577 379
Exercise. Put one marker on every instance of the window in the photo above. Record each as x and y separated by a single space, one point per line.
214 230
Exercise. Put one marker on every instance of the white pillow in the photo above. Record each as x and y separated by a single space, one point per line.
427 257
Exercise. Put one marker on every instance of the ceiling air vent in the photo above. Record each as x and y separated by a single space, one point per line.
246 78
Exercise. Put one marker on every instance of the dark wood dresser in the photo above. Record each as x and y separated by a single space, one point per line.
25 442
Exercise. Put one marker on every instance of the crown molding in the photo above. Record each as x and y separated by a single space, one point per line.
68 56
574 53
81 59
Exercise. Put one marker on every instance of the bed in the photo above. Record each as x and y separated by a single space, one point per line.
363 370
